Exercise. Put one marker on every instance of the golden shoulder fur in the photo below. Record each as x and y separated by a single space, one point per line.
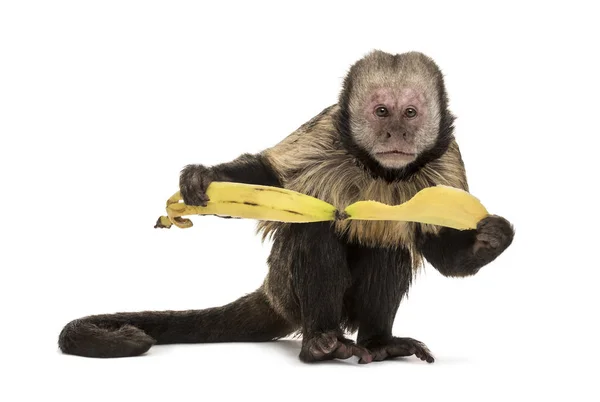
312 161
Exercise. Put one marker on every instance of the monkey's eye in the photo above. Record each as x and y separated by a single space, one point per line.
381 111
410 112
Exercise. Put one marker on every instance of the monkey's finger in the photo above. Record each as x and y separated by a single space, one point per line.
194 200
204 198
200 200
488 239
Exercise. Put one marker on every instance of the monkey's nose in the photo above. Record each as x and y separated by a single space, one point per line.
388 135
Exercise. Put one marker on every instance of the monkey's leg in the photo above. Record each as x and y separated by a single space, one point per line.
248 319
381 277
320 278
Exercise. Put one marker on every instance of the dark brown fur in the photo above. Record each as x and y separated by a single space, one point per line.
327 278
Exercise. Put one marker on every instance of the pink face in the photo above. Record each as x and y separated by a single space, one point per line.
395 119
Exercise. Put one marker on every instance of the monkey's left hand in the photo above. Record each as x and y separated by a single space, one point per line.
494 235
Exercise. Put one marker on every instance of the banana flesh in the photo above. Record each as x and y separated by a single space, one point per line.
439 205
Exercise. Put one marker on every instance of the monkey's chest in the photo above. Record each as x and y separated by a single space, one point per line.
342 187
377 233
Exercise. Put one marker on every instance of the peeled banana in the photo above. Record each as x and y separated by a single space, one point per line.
439 205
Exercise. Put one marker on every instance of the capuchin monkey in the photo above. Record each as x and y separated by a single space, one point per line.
389 136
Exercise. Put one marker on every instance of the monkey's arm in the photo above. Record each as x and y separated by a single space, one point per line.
462 253
247 168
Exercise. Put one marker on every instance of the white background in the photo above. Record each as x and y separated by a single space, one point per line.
102 103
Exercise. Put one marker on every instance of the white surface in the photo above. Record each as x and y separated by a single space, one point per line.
102 104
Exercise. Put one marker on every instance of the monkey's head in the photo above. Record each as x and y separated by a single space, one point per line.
393 112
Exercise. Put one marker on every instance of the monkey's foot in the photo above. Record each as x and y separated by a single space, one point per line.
331 345
397 347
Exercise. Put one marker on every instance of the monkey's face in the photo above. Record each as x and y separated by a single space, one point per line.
395 124
394 106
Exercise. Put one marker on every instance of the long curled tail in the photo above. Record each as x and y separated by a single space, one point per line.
248 319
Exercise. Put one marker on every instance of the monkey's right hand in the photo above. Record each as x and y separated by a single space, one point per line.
193 182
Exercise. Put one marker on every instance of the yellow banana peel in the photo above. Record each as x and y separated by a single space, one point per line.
439 205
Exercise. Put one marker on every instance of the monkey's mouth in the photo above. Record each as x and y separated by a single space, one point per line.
395 152
395 158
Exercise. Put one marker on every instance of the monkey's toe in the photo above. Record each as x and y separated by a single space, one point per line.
330 345
324 344
398 347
